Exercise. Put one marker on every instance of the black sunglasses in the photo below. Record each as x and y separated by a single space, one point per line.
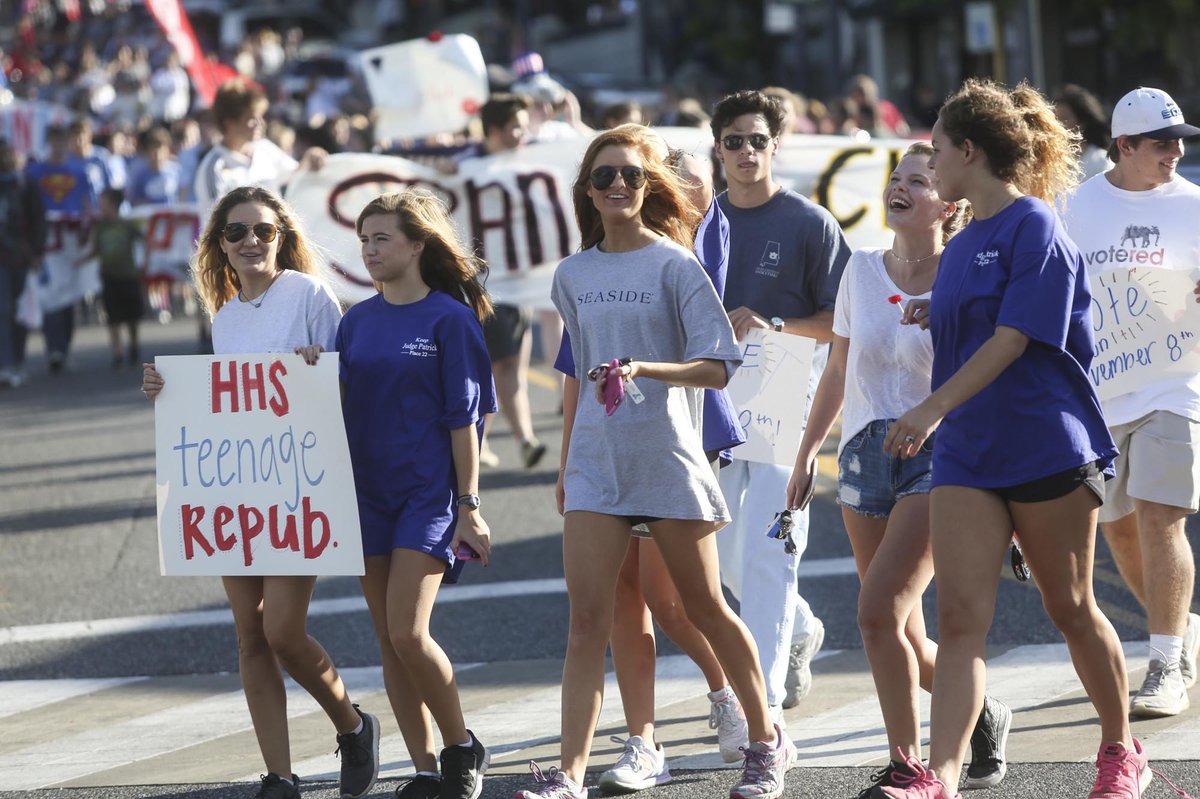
734 141
263 231
603 176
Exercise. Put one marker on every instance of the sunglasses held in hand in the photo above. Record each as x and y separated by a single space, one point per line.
734 141
263 231
603 176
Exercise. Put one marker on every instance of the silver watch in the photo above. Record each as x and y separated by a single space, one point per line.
777 324
470 501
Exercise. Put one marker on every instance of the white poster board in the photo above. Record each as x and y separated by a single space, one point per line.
425 86
769 390
1147 326
253 468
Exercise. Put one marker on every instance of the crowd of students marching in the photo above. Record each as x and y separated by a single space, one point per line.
968 415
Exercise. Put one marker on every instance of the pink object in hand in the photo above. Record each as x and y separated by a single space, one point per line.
614 388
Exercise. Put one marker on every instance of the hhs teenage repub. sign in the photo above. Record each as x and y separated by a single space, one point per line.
253 469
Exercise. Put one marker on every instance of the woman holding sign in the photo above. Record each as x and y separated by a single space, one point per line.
416 385
636 302
1021 442
877 370
258 280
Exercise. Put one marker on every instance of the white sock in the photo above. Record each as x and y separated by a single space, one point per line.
470 741
285 779
1170 647
433 774
360 726
721 694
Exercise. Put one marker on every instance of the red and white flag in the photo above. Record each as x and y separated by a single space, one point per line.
178 29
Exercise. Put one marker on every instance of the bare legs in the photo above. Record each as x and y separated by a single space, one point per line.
270 614
400 590
895 565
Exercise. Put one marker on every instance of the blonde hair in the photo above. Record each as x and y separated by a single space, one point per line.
215 280
665 206
445 263
1019 132
962 209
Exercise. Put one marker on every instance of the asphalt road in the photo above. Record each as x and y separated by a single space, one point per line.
116 682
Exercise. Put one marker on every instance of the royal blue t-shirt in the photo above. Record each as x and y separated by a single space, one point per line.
720 419
65 187
411 374
1040 416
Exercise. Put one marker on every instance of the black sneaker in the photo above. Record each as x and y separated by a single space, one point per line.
360 758
988 740
463 770
421 786
886 778
274 788
532 452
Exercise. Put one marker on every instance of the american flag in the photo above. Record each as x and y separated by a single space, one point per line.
528 64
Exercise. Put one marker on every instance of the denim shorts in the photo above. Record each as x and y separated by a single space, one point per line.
871 482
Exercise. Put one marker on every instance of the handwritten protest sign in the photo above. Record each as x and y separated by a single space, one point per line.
425 86
1147 328
517 206
769 391
253 469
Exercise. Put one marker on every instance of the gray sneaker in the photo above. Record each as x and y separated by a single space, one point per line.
1191 650
988 742
360 758
274 788
1162 693
764 768
798 681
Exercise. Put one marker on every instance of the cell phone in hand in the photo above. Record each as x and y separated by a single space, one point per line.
464 552
614 389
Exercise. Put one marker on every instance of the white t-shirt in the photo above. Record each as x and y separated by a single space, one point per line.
296 311
889 364
1111 226
223 170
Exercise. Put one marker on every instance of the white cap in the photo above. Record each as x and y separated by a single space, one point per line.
1151 113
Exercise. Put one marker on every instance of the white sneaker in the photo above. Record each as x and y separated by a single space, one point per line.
488 458
639 767
1191 650
1162 693
728 719
764 768
798 681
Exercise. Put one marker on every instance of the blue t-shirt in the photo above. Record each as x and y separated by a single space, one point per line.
721 427
148 185
786 257
1040 416
64 187
411 374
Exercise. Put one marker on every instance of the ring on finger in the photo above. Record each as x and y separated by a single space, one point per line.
909 439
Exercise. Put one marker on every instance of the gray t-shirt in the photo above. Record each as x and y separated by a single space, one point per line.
786 256
296 311
654 304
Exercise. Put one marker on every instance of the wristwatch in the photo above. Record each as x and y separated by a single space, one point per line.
777 324
470 501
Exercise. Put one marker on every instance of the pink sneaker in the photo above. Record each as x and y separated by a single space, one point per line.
1123 774
918 783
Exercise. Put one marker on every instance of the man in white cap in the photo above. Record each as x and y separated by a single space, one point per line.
1139 213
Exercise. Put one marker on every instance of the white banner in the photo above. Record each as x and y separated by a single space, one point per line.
1147 327
769 390
171 233
23 123
424 86
253 470
60 281
518 205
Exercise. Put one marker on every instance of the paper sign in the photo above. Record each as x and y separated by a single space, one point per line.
421 87
769 391
517 206
253 469
1147 328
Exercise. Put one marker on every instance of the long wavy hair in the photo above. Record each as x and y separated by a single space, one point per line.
1019 132
445 263
665 206
215 280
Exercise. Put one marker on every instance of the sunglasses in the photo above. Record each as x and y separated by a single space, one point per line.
603 176
734 141
263 231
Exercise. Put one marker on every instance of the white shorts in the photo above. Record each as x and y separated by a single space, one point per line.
1159 462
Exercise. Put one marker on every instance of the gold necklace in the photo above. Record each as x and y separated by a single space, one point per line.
904 260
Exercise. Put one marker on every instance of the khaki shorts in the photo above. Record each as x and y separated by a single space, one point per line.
1159 462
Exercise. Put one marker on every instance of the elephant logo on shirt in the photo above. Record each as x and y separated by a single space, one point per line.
1135 232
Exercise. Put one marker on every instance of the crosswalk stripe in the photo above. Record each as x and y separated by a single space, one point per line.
75 733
